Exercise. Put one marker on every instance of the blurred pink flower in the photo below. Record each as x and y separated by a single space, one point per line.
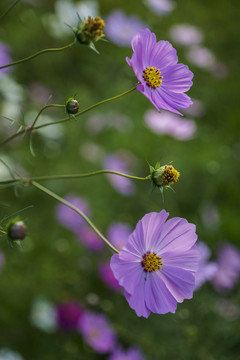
185 34
170 124
118 234
120 28
162 7
4 59
106 275
120 162
88 237
201 57
206 270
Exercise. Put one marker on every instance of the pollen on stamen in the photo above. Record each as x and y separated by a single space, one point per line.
152 76
151 262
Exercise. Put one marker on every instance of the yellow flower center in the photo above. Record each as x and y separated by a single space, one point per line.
152 76
151 262
170 175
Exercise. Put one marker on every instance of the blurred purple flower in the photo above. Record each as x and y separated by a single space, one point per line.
107 276
201 57
2 260
97 332
206 270
120 162
196 109
170 124
130 354
68 315
120 28
228 269
163 80
185 34
68 217
162 7
118 234
89 238
4 59
156 267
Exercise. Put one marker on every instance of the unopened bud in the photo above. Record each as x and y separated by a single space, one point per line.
164 175
16 230
72 106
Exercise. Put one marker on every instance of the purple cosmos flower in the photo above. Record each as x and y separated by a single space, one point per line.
170 124
4 59
185 34
118 233
68 315
163 80
89 238
97 332
157 265
68 217
130 354
120 162
107 276
206 269
121 28
162 7
228 269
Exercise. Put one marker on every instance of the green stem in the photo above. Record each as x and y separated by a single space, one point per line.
45 107
9 9
36 54
71 176
61 200
67 118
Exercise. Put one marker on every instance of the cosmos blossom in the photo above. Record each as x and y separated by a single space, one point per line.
157 265
130 354
97 332
162 80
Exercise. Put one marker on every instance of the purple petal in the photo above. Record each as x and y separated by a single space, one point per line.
158 298
177 78
137 301
179 282
128 274
187 261
163 55
178 235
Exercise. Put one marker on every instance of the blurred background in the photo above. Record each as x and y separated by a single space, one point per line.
61 270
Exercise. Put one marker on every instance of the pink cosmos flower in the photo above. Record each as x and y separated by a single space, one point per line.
157 265
170 124
185 34
118 233
68 315
206 269
162 80
106 274
97 332
228 270
130 354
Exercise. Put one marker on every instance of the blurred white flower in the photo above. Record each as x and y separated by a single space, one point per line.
162 7
7 354
185 34
43 315
66 13
201 57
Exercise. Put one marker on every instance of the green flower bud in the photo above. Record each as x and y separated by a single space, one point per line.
163 175
72 106
16 230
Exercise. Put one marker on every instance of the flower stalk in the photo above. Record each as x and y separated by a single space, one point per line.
36 54
33 127
85 217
